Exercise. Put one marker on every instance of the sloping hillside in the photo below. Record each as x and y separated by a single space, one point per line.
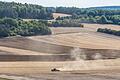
40 54
86 38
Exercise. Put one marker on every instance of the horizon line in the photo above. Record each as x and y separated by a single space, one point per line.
62 6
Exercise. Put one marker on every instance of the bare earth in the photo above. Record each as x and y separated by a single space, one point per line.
62 40
86 38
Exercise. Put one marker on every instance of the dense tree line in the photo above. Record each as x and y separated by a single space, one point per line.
88 15
109 31
13 27
26 11
98 19
87 11
65 23
91 15
108 7
113 19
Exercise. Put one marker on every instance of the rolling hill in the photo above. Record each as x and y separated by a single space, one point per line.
108 7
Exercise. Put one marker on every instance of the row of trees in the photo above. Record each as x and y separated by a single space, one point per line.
109 31
13 27
65 23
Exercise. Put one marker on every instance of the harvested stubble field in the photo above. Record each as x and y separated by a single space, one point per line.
86 37
56 15
54 51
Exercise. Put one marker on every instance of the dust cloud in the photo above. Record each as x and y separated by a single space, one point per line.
80 61
78 54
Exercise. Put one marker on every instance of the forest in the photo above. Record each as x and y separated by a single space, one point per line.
91 15
14 27
12 15
24 11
